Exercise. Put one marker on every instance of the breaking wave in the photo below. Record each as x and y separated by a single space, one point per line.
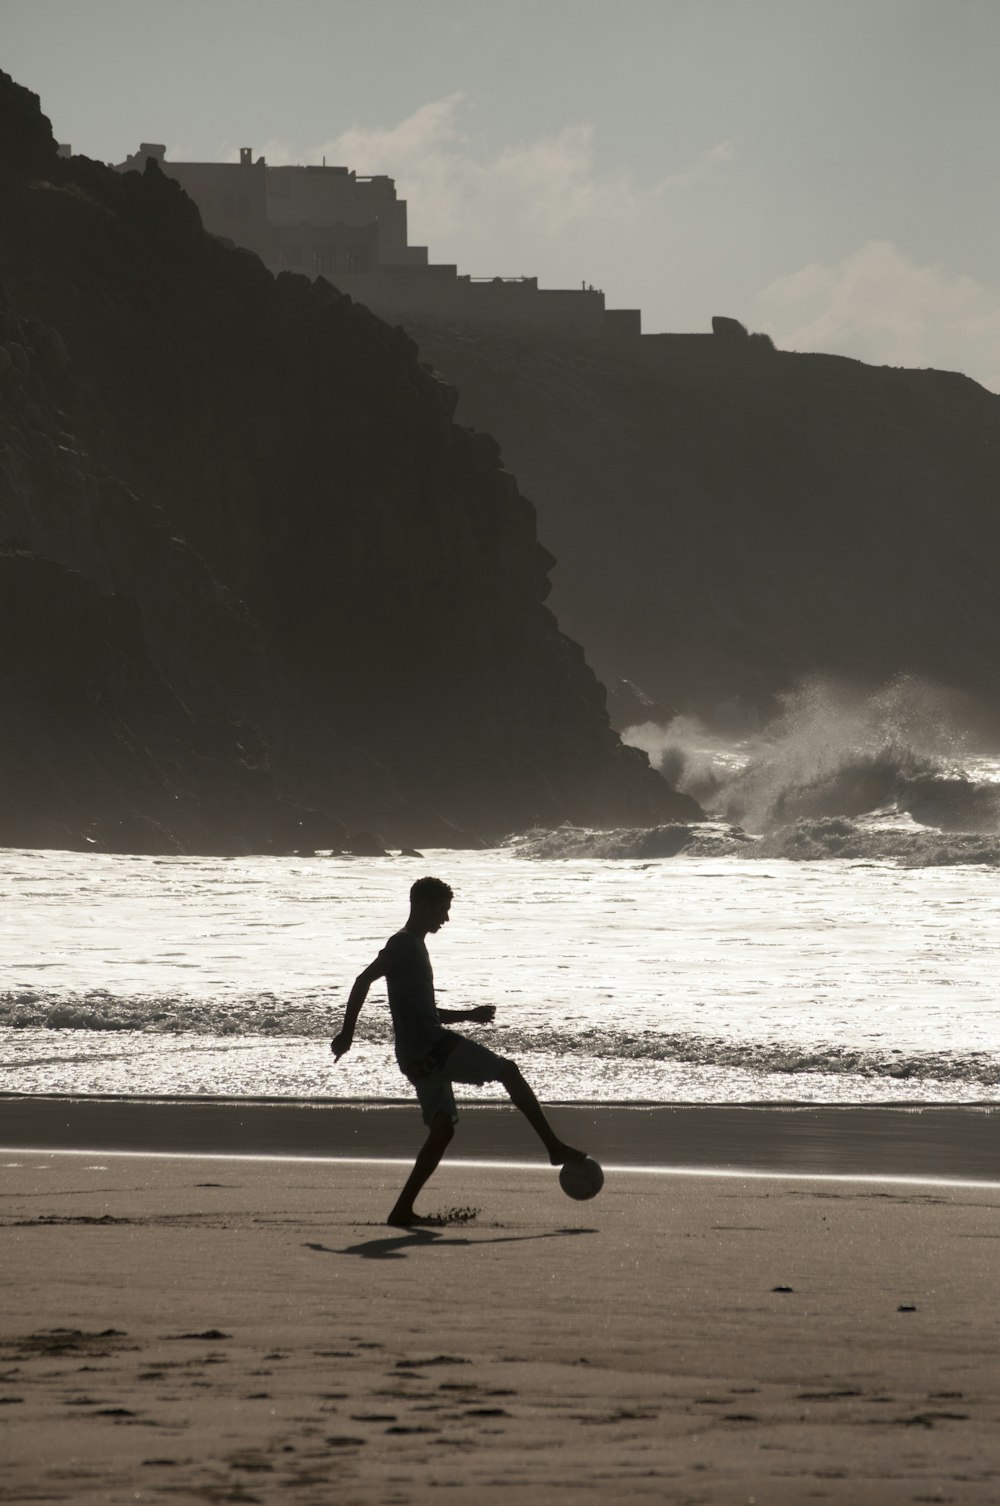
879 840
239 1021
832 752
773 1057
854 841
229 1018
708 840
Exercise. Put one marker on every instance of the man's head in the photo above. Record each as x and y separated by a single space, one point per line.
430 901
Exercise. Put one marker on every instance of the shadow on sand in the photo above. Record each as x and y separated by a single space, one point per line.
397 1246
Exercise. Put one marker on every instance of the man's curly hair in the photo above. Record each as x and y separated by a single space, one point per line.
428 891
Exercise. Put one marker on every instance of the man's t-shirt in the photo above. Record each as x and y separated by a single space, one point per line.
410 981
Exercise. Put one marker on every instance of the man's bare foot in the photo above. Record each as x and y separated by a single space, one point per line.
401 1219
561 1153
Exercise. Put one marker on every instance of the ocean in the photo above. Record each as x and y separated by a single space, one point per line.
721 973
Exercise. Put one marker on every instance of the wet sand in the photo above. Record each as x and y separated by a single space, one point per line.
177 1328
961 1143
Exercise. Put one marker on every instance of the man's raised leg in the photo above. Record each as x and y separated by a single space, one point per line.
522 1097
440 1135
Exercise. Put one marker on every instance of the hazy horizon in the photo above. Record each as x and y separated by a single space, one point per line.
823 172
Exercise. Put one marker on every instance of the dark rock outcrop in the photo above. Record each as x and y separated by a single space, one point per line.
724 328
99 753
314 555
730 519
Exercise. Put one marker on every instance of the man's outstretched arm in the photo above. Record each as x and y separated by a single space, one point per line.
483 1015
359 993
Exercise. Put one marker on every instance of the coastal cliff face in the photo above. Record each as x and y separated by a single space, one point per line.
730 519
290 575
99 752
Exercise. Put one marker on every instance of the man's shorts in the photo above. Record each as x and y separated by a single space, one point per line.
454 1059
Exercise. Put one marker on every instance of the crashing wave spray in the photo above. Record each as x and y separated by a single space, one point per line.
833 751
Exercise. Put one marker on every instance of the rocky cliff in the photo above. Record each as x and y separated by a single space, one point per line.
730 519
258 582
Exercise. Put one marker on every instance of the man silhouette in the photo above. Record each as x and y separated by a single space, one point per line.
430 1056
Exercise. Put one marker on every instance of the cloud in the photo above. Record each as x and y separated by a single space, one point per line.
456 189
717 155
881 306
542 206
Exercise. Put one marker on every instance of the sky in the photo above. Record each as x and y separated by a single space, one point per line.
824 170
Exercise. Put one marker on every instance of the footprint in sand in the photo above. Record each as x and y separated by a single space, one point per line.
208 1333
438 1359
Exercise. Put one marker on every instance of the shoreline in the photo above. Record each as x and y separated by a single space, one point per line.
931 1142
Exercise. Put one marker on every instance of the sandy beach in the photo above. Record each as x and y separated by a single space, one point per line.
246 1329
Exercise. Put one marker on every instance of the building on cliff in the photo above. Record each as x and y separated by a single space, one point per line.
330 222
